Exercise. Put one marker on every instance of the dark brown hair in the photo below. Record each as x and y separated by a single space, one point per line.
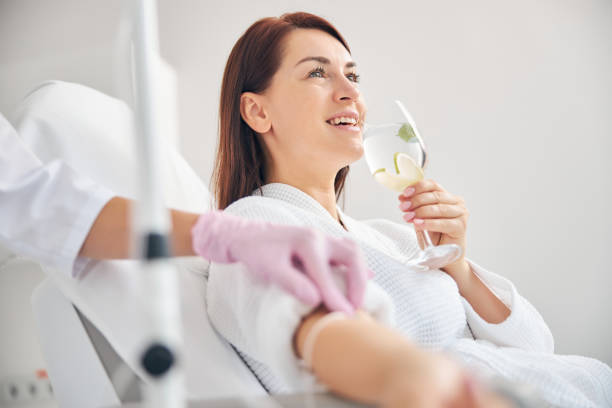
255 58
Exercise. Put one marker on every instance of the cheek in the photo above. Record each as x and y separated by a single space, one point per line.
295 111
303 120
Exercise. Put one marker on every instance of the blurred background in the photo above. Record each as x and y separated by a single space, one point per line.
514 100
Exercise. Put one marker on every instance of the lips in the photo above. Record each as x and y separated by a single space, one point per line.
346 127
344 117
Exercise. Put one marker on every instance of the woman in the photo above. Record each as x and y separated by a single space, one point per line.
290 124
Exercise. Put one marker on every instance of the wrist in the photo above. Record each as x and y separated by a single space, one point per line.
461 272
182 238
211 236
217 235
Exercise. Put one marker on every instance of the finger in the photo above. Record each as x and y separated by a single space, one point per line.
317 267
438 211
431 197
422 187
453 227
346 252
294 281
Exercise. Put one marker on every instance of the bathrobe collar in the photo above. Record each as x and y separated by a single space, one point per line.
298 198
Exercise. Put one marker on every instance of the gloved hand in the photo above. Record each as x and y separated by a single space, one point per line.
300 260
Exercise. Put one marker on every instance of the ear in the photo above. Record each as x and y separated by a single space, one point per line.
253 112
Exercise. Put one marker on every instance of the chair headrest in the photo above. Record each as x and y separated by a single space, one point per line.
93 133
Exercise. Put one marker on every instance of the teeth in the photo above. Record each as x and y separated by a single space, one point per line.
339 120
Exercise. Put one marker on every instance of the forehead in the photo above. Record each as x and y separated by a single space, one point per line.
302 43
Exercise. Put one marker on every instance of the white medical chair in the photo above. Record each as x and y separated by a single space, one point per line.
92 327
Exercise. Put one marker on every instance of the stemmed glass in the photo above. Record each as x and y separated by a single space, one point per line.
396 157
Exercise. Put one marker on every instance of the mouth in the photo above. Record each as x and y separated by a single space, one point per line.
344 123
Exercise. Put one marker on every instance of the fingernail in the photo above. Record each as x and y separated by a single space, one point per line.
309 297
418 221
409 191
349 310
405 205
340 305
408 216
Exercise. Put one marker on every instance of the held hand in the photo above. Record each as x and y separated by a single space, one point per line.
300 260
430 380
428 206
435 381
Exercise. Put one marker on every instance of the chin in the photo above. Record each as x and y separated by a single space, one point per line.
354 153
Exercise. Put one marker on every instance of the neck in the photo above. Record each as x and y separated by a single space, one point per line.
318 187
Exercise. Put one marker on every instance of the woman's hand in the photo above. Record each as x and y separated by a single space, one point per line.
433 380
298 259
428 206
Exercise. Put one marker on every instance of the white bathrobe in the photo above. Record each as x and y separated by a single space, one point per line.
259 319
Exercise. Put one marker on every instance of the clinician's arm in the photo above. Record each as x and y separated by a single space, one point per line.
268 251
110 234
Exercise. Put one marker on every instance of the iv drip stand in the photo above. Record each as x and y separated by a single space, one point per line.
161 357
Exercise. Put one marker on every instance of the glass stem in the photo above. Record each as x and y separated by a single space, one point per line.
427 239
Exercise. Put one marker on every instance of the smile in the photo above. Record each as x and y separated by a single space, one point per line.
348 127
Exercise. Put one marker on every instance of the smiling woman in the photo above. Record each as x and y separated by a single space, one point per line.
290 125
310 77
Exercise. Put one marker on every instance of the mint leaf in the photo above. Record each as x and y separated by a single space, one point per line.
407 133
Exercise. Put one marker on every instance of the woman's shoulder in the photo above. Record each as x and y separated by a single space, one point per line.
265 209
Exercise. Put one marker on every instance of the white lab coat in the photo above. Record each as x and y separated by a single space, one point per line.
46 211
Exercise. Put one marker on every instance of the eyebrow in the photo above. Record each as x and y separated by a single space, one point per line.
325 61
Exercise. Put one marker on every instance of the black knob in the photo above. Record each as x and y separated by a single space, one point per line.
157 360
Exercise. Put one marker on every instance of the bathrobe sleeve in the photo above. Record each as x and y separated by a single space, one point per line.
524 328
260 319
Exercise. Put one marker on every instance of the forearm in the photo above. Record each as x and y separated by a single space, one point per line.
110 235
484 302
358 357
363 360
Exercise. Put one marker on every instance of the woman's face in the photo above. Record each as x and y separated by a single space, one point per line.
316 82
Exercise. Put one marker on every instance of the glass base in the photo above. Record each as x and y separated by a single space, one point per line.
436 257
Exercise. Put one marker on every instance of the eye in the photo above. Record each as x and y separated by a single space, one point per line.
355 77
318 72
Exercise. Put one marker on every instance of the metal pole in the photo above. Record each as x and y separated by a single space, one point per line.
161 357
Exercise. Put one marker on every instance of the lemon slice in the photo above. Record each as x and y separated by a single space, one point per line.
394 182
406 166
409 173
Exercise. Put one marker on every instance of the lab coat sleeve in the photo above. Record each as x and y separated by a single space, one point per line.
260 319
46 211
524 328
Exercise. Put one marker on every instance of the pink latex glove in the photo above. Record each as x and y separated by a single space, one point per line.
298 259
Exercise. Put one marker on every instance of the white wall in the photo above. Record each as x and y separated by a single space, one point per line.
513 98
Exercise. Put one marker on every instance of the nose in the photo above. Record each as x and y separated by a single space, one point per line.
346 90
